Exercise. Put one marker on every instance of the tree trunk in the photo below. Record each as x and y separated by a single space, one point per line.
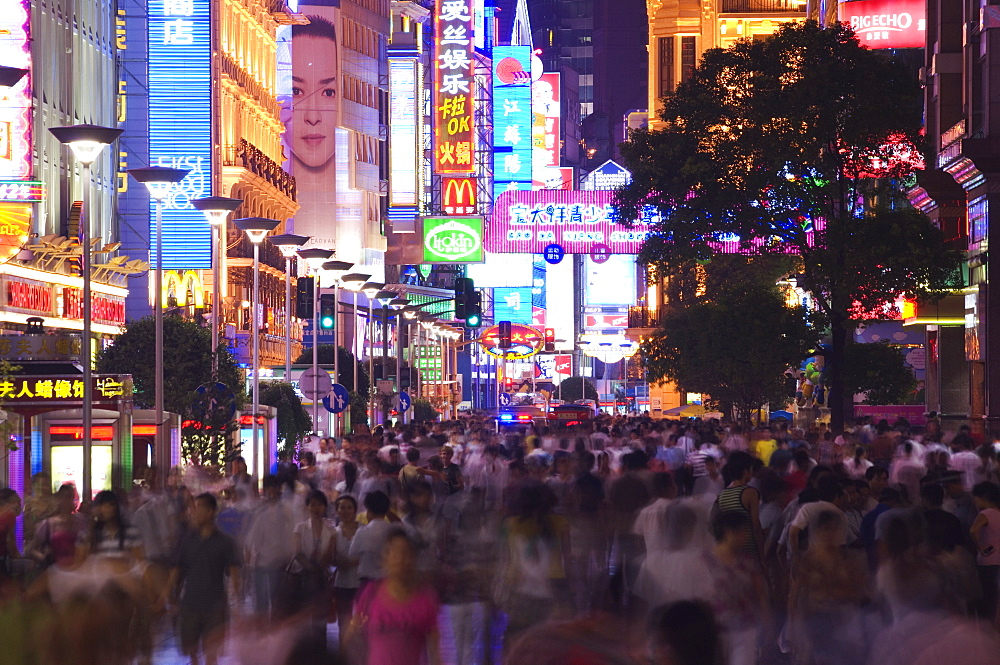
838 401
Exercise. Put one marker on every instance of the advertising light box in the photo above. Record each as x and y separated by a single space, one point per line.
512 305
512 143
886 23
15 103
529 221
453 77
403 132
453 240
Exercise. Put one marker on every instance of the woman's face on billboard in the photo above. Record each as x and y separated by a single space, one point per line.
315 99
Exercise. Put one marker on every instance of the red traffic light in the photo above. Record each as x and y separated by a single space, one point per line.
550 335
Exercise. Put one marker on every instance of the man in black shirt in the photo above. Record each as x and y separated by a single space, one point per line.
204 556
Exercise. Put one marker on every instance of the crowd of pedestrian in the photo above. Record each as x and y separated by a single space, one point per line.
622 540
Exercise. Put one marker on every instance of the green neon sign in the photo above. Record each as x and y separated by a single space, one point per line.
453 240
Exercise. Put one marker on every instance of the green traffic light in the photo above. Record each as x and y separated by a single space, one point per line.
326 322
473 321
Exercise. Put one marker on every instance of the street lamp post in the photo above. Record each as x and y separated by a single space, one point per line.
216 209
288 244
384 297
158 180
354 282
256 229
336 269
398 304
314 258
371 289
86 142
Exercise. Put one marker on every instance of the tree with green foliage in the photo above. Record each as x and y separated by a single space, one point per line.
577 387
799 143
735 341
294 422
424 411
187 353
877 370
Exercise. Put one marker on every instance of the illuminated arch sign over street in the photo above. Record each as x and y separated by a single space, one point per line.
530 221
525 342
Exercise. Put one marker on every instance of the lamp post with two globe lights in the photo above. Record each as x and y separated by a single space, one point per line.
354 282
86 142
315 257
256 229
216 209
336 270
371 289
158 180
288 244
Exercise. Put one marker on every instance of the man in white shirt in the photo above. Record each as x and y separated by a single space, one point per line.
269 543
650 522
965 461
366 548
831 497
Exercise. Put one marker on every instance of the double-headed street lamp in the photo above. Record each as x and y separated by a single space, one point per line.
315 257
371 289
355 281
86 142
256 229
158 180
336 270
288 244
216 209
385 297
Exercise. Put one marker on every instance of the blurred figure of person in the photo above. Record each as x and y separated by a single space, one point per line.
205 556
685 633
985 532
858 464
10 508
738 595
369 541
40 504
740 498
242 482
269 550
56 537
346 581
314 542
397 617
707 487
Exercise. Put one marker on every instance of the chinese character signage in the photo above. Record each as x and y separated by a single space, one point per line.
530 221
40 347
886 23
454 66
525 342
21 191
511 118
458 196
404 133
15 103
545 118
512 305
21 297
24 390
180 126
453 240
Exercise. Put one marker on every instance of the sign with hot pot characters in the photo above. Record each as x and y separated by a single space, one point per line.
525 342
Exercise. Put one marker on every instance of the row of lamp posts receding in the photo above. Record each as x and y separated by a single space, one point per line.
87 142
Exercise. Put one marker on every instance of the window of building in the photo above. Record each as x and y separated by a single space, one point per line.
665 46
688 57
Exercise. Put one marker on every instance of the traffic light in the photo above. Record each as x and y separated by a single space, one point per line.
466 299
550 340
304 297
505 342
474 311
327 311
508 384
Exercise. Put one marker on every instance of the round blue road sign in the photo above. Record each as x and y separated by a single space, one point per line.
553 253
404 401
338 400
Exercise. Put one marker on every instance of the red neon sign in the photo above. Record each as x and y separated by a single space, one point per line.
143 430
887 23
97 432
458 196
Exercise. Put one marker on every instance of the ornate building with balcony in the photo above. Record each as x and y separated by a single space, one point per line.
248 166
681 30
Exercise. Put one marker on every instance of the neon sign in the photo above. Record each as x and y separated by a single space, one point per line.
454 138
453 240
512 154
15 106
403 132
545 121
886 23
35 390
180 121
20 191
458 196
525 342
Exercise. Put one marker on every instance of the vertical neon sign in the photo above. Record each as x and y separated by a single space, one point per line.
15 103
180 124
403 132
453 81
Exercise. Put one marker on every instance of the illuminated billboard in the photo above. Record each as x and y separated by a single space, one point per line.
15 103
404 133
458 196
512 305
312 115
512 152
545 120
454 137
886 23
180 126
529 221
453 240
610 283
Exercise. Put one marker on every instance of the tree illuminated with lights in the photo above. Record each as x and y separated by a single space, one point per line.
800 144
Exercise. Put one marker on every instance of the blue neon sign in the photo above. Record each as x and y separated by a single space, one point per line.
180 125
511 118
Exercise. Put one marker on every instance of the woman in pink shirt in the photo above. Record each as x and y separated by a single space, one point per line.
397 616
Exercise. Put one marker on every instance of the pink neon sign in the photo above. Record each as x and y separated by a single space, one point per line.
15 103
